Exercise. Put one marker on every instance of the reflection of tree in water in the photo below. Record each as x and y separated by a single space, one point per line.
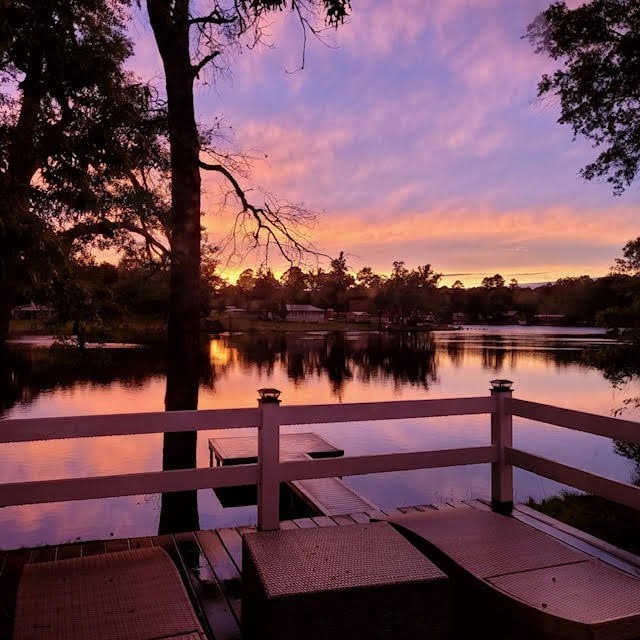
493 352
630 450
334 359
26 372
620 365
406 358
401 357
260 350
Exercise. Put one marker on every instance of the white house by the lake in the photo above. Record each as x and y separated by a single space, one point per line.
304 313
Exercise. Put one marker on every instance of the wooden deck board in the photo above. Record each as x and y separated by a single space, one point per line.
232 541
210 563
93 548
305 523
360 518
324 521
224 569
117 545
45 554
343 521
66 551
139 543
235 449
207 594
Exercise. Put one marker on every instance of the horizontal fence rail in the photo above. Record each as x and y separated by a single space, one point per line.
125 424
398 410
130 484
382 463
576 420
622 492
270 471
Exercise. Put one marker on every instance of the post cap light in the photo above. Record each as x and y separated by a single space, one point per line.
501 385
269 395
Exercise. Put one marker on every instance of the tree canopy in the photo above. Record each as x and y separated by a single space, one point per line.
598 84
80 142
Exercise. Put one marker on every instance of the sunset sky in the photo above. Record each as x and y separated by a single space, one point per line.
415 133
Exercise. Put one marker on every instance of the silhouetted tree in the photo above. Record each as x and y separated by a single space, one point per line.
597 44
176 28
80 142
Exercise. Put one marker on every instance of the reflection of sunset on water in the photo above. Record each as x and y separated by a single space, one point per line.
314 368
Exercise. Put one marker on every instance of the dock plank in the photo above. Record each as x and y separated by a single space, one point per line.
66 551
324 521
95 547
224 569
139 543
121 544
232 541
207 594
305 523
360 518
478 504
44 554
408 509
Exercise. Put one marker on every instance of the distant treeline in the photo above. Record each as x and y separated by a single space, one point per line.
405 297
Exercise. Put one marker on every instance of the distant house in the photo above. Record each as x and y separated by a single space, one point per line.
358 317
230 310
303 313
31 311
549 318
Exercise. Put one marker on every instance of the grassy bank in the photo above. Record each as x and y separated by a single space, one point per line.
609 521
246 323
139 330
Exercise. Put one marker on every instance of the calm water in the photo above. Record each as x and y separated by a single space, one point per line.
550 365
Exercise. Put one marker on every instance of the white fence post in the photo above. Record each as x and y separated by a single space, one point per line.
269 461
501 437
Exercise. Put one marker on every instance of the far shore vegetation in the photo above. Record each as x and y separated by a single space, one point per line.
129 302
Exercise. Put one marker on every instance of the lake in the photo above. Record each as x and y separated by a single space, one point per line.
547 364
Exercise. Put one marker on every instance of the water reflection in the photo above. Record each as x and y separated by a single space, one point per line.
312 367
404 359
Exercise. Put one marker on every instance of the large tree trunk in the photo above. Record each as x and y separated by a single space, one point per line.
169 21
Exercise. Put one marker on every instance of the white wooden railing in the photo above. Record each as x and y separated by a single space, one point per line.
270 471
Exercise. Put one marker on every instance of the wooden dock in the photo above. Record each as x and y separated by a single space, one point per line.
210 562
322 496
230 450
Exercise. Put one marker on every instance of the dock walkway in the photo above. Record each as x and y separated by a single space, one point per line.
210 562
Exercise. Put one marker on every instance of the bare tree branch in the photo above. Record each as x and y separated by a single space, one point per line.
107 228
196 68
216 17
273 223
